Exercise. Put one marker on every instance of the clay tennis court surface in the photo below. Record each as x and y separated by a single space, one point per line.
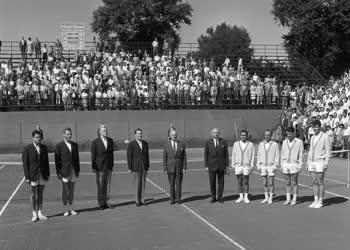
196 224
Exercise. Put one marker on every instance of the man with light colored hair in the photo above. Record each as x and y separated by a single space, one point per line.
102 162
267 163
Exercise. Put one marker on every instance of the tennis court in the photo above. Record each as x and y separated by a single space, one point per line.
196 224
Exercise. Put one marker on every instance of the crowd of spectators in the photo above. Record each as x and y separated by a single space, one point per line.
99 80
330 104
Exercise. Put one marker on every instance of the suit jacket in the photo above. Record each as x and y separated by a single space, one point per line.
174 161
216 158
33 163
102 158
66 160
137 159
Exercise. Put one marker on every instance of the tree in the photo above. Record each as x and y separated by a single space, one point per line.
141 20
319 30
225 41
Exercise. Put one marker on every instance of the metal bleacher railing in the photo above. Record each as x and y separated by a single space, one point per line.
266 60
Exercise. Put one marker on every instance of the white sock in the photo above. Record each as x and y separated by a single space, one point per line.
245 195
295 196
271 196
241 195
288 196
320 200
316 199
266 195
34 212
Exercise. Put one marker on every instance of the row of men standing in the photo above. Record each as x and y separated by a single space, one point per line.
216 162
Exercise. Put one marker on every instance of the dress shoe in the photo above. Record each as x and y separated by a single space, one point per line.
172 202
108 205
138 204
179 202
213 200
221 200
102 207
144 204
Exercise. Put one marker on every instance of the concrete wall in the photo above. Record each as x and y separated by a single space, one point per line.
193 126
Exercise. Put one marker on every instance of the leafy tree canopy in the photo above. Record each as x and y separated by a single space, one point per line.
141 20
225 41
319 29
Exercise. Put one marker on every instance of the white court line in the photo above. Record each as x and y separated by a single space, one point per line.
196 215
302 185
11 197
327 179
2 166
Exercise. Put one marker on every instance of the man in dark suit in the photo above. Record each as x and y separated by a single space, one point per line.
174 162
102 162
23 48
216 162
138 164
67 168
37 172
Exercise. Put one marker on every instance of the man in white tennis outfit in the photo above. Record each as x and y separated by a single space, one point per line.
291 163
243 163
267 162
317 162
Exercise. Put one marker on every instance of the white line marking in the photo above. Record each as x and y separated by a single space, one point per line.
150 171
2 166
302 185
11 197
235 243
327 179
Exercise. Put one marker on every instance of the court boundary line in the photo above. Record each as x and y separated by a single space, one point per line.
11 197
199 217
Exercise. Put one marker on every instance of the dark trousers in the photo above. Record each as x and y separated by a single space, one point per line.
175 182
212 180
67 193
102 187
140 181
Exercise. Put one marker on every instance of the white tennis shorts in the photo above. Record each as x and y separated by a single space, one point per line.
245 170
70 178
290 168
40 181
317 167
268 170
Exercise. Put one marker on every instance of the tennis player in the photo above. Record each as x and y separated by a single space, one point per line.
36 172
291 163
317 163
243 163
268 162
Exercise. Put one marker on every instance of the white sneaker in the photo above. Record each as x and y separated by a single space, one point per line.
72 212
41 216
318 205
264 201
286 203
239 199
246 200
269 201
313 204
35 217
294 202
66 213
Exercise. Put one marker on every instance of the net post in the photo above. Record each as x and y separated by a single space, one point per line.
348 178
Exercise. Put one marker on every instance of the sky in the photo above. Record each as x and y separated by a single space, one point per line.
42 18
